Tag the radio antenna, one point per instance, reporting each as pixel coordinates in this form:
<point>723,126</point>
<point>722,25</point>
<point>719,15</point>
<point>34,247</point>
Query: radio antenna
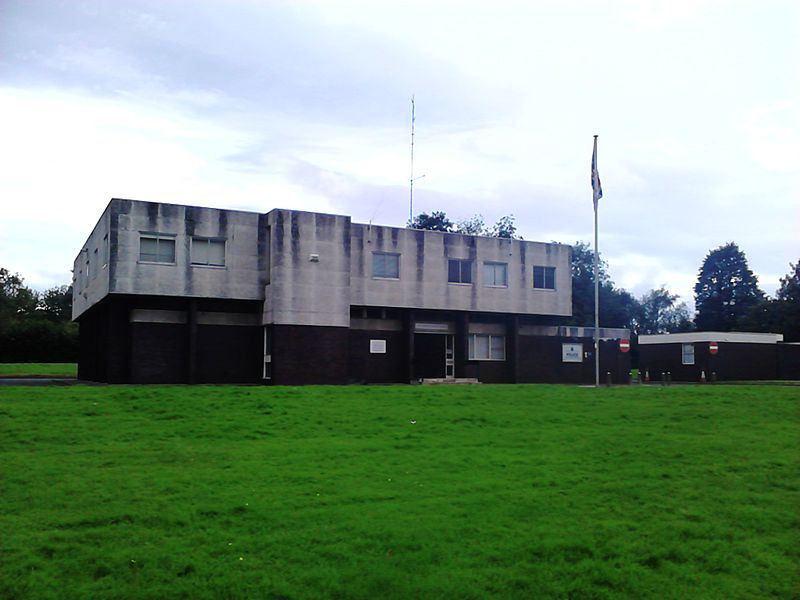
<point>411,178</point>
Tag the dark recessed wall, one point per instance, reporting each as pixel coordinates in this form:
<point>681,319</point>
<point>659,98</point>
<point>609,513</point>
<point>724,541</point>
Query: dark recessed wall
<point>304,354</point>
<point>364,367</point>
<point>733,362</point>
<point>114,350</point>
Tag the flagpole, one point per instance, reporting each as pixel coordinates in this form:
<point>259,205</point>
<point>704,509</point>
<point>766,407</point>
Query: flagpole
<point>596,306</point>
<point>596,274</point>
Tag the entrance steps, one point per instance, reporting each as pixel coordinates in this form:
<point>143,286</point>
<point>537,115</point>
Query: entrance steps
<point>451,380</point>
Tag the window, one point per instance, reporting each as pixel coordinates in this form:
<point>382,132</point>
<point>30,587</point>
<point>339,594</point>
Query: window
<point>486,347</point>
<point>377,346</point>
<point>94,265</point>
<point>687,354</point>
<point>208,251</point>
<point>544,278</point>
<point>495,274</point>
<point>385,265</point>
<point>157,248</point>
<point>459,271</point>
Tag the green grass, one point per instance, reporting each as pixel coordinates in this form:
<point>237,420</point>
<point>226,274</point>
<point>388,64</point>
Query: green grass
<point>38,370</point>
<point>333,492</point>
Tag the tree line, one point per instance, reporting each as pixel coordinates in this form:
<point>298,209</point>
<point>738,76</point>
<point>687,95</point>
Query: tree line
<point>35,326</point>
<point>727,296</point>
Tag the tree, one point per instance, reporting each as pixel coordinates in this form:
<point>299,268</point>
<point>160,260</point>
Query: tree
<point>790,285</point>
<point>475,225</point>
<point>617,307</point>
<point>781,314</point>
<point>726,289</point>
<point>436,221</point>
<point>505,228</point>
<point>33,327</point>
<point>659,313</point>
<point>56,303</point>
<point>15,297</point>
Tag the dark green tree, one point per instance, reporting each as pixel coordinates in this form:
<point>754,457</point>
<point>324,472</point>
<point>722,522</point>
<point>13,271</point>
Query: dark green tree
<point>436,221</point>
<point>15,297</point>
<point>659,313</point>
<point>505,228</point>
<point>475,225</point>
<point>726,290</point>
<point>617,307</point>
<point>781,314</point>
<point>56,303</point>
<point>35,328</point>
<point>789,298</point>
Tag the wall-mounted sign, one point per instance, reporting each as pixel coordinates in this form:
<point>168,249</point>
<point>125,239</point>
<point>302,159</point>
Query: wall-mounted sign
<point>713,347</point>
<point>377,346</point>
<point>572,353</point>
<point>624,345</point>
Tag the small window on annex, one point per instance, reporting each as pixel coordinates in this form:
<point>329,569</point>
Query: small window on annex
<point>495,274</point>
<point>208,252</point>
<point>459,271</point>
<point>486,347</point>
<point>544,278</point>
<point>157,248</point>
<point>687,354</point>
<point>385,265</point>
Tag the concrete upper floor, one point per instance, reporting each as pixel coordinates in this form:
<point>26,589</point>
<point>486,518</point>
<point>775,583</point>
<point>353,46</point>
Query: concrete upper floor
<point>309,268</point>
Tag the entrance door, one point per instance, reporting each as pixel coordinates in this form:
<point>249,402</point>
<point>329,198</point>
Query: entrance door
<point>449,357</point>
<point>430,355</point>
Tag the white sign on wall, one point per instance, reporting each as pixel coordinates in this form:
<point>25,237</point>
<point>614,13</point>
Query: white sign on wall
<point>377,346</point>
<point>572,353</point>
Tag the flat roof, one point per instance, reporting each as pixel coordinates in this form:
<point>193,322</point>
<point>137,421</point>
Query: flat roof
<point>740,337</point>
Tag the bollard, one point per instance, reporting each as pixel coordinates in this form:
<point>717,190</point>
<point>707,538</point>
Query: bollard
<point>702,376</point>
<point>640,377</point>
<point>663,378</point>
<point>608,378</point>
<point>669,377</point>
<point>647,376</point>
<point>713,377</point>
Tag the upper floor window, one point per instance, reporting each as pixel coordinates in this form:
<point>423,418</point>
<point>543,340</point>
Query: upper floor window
<point>495,274</point>
<point>687,354</point>
<point>385,265</point>
<point>208,251</point>
<point>459,271</point>
<point>544,278</point>
<point>157,248</point>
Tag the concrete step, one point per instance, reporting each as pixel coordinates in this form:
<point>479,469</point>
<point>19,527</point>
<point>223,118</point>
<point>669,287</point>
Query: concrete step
<point>444,380</point>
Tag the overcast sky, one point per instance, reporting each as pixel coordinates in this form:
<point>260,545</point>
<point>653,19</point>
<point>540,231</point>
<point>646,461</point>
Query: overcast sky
<point>306,105</point>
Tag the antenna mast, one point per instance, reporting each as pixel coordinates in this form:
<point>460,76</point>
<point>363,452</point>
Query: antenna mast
<point>411,179</point>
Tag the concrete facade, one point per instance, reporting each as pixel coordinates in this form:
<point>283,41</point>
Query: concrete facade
<point>314,298</point>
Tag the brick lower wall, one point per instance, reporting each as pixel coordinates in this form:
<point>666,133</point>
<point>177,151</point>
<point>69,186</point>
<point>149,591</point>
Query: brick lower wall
<point>304,354</point>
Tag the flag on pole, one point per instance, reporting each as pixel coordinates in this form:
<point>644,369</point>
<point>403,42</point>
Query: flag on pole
<point>597,189</point>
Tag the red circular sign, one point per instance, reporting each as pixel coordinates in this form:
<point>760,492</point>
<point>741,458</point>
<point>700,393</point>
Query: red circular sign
<point>624,345</point>
<point>713,347</point>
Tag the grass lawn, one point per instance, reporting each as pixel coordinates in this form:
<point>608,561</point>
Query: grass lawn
<point>38,370</point>
<point>399,492</point>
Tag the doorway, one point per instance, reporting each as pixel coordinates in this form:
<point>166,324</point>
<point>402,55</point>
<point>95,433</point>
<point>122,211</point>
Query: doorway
<point>434,356</point>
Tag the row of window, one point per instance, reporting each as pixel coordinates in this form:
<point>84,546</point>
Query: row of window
<point>161,249</point>
<point>386,265</point>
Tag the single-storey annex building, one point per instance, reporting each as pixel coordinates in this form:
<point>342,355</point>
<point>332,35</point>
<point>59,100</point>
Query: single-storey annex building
<point>172,293</point>
<point>718,355</point>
